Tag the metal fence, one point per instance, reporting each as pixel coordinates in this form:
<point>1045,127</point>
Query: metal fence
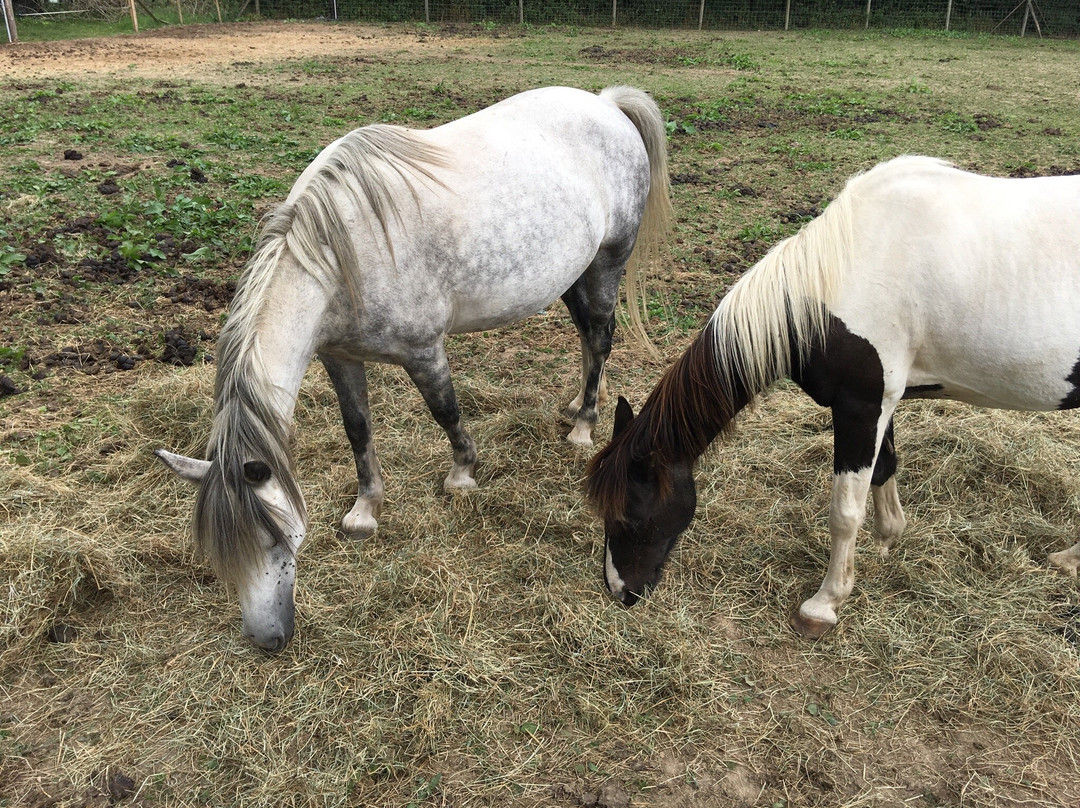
<point>1013,17</point>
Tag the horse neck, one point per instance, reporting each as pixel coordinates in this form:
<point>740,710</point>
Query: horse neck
<point>271,335</point>
<point>695,401</point>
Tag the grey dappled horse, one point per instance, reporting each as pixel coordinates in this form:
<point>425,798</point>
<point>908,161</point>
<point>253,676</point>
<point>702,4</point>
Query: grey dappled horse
<point>390,240</point>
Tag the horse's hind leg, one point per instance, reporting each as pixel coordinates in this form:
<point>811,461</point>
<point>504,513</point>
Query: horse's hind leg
<point>430,372</point>
<point>889,521</point>
<point>350,384</point>
<point>591,303</point>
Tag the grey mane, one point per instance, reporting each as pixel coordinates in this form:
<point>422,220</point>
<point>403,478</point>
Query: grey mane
<point>228,516</point>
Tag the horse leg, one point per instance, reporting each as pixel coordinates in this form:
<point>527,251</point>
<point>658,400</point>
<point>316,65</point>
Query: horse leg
<point>593,312</point>
<point>350,384</point>
<point>430,372</point>
<point>858,429</point>
<point>889,521</point>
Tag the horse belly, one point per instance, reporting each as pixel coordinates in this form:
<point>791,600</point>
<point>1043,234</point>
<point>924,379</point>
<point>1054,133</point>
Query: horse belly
<point>507,297</point>
<point>1006,374</point>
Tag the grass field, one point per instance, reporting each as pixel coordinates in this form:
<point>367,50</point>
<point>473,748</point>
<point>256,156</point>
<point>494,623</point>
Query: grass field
<point>467,654</point>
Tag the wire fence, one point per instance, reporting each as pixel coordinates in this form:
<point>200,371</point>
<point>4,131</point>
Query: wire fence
<point>1058,18</point>
<point>1031,17</point>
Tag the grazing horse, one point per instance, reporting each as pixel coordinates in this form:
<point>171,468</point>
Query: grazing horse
<point>918,281</point>
<point>390,240</point>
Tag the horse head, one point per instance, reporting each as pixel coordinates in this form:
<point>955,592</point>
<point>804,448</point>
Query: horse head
<point>655,504</point>
<point>249,525</point>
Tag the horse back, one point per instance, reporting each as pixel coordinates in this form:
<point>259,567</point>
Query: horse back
<point>968,286</point>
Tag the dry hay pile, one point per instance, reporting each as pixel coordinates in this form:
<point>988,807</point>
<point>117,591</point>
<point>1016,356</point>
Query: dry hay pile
<point>467,655</point>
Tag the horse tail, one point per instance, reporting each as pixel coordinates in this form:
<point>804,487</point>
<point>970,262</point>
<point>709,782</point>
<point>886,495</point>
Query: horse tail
<point>778,310</point>
<point>656,219</point>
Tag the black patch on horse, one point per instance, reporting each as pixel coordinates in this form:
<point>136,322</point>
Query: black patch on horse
<point>847,375</point>
<point>1072,400</point>
<point>924,391</point>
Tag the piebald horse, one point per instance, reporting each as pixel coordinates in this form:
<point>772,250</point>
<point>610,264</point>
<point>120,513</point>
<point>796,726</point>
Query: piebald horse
<point>390,240</point>
<point>918,281</point>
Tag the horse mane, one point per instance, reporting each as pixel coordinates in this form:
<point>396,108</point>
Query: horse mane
<point>312,227</point>
<point>688,408</point>
<point>769,319</point>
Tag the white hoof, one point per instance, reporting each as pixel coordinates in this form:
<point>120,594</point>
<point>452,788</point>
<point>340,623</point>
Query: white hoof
<point>359,523</point>
<point>581,435</point>
<point>1068,561</point>
<point>459,479</point>
<point>813,620</point>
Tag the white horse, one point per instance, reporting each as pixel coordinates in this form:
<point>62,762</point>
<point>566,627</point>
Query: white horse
<point>390,240</point>
<point>918,281</point>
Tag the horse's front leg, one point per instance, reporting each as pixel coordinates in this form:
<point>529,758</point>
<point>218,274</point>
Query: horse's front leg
<point>430,372</point>
<point>350,384</point>
<point>858,429</point>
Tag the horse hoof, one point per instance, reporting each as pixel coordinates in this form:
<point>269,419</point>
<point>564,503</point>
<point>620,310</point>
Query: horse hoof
<point>1065,561</point>
<point>358,529</point>
<point>811,628</point>
<point>458,482</point>
<point>581,436</point>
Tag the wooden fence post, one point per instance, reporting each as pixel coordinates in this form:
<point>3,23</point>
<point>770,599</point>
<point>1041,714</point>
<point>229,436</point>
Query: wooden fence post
<point>9,20</point>
<point>134,16</point>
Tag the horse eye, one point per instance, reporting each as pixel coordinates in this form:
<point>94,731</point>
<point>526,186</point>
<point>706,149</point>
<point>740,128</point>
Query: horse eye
<point>256,471</point>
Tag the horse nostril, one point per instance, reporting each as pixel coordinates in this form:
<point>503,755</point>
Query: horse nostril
<point>273,644</point>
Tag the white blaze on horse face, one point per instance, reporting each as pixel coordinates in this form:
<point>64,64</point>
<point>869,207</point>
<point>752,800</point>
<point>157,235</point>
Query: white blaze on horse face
<point>616,585</point>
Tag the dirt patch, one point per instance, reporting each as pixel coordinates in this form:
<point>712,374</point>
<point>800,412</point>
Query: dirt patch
<point>207,51</point>
<point>648,56</point>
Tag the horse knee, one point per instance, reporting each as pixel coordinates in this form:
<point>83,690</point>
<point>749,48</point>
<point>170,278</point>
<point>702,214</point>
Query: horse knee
<point>845,518</point>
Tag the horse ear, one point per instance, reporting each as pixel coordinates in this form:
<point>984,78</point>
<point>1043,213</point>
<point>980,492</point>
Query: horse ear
<point>624,414</point>
<point>186,468</point>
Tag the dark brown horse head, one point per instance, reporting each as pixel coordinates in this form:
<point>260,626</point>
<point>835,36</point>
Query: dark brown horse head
<point>650,502</point>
